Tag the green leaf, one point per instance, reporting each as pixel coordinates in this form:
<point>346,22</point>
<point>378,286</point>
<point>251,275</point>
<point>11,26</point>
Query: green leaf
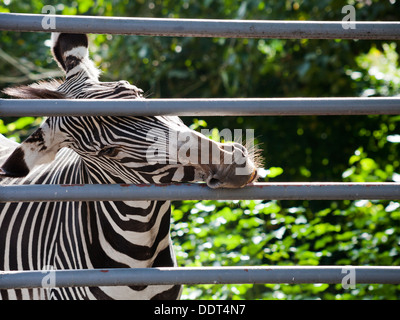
<point>274,172</point>
<point>368,164</point>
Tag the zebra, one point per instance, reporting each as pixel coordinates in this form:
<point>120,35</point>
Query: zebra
<point>96,150</point>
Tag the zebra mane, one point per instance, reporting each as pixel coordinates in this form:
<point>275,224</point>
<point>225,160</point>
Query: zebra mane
<point>39,90</point>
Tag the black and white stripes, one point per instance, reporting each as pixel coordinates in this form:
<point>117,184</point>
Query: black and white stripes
<point>97,150</point>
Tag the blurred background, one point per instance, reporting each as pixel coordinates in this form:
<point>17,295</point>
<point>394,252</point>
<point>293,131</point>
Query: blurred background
<point>307,148</point>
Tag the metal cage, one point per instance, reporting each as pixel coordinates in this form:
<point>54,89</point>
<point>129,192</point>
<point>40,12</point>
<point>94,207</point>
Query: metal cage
<point>203,107</point>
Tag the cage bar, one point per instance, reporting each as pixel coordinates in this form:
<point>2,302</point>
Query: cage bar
<point>200,191</point>
<point>279,29</point>
<point>200,107</point>
<point>201,275</point>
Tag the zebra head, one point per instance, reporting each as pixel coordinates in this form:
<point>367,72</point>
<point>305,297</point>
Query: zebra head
<point>121,149</point>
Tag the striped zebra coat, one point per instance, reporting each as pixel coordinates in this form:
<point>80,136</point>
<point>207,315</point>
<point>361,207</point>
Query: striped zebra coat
<point>93,150</point>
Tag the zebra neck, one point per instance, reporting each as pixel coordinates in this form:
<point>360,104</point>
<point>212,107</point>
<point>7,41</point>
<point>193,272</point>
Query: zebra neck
<point>125,233</point>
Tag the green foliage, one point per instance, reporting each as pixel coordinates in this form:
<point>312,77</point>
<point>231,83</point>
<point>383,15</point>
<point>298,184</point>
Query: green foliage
<point>382,70</point>
<point>19,129</point>
<point>353,149</point>
<point>220,233</point>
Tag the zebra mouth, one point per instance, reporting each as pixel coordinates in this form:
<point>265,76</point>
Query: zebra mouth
<point>221,180</point>
<point>254,177</point>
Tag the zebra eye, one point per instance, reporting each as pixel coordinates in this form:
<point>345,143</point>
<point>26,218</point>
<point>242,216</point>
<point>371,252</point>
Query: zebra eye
<point>108,152</point>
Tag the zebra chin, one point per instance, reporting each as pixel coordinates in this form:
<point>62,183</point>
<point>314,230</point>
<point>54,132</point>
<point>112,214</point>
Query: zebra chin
<point>232,167</point>
<point>217,180</point>
<point>232,176</point>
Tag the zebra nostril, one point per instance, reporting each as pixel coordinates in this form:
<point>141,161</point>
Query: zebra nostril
<point>241,148</point>
<point>213,182</point>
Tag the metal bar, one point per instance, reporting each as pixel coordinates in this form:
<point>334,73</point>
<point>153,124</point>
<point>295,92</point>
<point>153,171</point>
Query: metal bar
<point>201,27</point>
<point>201,107</point>
<point>200,275</point>
<point>187,191</point>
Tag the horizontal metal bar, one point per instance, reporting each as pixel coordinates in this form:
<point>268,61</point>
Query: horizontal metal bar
<point>201,27</point>
<point>198,191</point>
<point>200,275</point>
<point>201,107</point>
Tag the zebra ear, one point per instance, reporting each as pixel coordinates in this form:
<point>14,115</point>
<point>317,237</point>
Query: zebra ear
<point>15,166</point>
<point>70,50</point>
<point>39,148</point>
<point>68,45</point>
